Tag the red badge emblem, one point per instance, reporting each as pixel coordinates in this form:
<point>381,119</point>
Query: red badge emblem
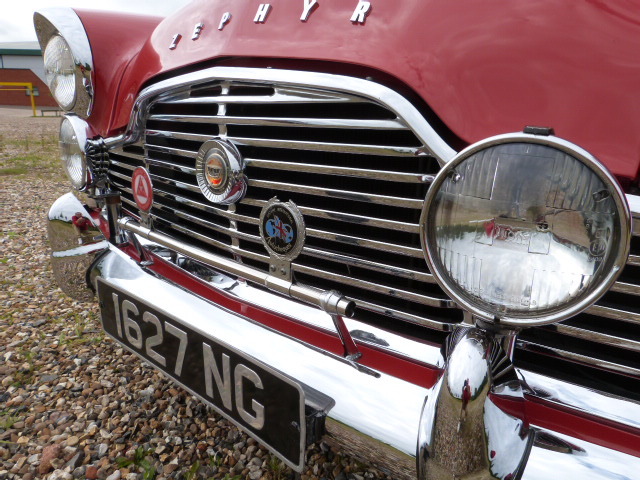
<point>142,189</point>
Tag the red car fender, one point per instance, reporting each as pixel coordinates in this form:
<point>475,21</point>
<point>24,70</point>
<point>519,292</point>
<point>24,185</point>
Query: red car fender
<point>115,39</point>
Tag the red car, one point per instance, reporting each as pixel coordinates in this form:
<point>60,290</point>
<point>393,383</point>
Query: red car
<point>408,228</point>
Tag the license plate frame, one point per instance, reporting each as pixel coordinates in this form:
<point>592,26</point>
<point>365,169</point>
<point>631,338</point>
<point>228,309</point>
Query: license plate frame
<point>262,401</point>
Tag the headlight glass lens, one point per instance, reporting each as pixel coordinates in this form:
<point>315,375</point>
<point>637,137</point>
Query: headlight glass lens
<point>525,233</point>
<point>60,70</point>
<point>72,155</point>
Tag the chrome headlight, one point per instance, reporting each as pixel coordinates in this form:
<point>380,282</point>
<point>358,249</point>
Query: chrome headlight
<point>525,230</point>
<point>73,138</point>
<point>68,62</point>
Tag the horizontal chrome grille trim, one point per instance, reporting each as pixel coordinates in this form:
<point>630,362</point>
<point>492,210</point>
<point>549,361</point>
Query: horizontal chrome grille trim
<point>363,242</point>
<point>171,182</point>
<point>207,208</point>
<point>633,260</point>
<point>597,337</point>
<point>626,288</point>
<point>614,313</point>
<point>286,122</point>
<point>331,147</point>
<point>378,267</point>
<point>173,151</point>
<point>374,287</point>
<point>341,194</point>
<point>171,166</point>
<point>333,170</point>
<point>576,357</point>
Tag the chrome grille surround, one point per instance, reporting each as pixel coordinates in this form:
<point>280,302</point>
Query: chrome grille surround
<point>371,172</point>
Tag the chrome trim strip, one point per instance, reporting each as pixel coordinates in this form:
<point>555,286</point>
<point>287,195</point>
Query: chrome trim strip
<point>408,317</point>
<point>576,357</point>
<point>333,170</point>
<point>285,122</point>
<point>281,96</point>
<point>629,288</point>
<point>331,147</point>
<point>597,337</point>
<point>206,208</point>
<point>172,151</point>
<point>584,461</point>
<point>343,194</point>
<point>298,145</point>
<point>374,287</point>
<point>369,265</point>
<point>126,166</point>
<point>582,399</point>
<point>348,85</point>
<point>364,242</point>
<point>63,20</point>
<point>122,153</point>
<point>614,313</point>
<point>169,181</point>
<point>633,260</point>
<point>171,166</point>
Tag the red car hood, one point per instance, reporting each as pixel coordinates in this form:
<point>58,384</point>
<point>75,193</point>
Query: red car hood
<point>484,68</point>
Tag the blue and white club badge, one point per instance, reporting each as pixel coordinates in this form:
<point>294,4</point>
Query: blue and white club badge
<point>282,229</point>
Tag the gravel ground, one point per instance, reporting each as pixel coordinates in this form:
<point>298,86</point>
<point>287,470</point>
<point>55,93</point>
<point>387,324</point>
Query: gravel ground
<point>73,404</point>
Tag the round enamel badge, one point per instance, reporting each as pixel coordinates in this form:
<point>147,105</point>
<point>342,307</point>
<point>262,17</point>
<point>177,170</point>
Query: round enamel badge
<point>220,172</point>
<point>142,189</point>
<point>282,229</point>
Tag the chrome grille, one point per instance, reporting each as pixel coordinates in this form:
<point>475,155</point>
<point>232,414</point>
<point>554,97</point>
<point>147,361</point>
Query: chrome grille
<point>359,172</point>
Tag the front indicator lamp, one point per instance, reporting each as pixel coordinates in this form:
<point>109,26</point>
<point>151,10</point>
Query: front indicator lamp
<point>525,230</point>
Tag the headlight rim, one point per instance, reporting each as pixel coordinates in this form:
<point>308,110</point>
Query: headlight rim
<point>571,308</point>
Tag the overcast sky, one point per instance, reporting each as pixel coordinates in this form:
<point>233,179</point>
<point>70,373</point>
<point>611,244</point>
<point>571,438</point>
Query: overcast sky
<point>16,16</point>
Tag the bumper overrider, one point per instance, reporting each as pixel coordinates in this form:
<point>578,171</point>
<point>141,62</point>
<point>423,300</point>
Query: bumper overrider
<point>230,357</point>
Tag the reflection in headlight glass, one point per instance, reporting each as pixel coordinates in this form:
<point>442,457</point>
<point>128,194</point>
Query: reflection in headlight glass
<point>524,229</point>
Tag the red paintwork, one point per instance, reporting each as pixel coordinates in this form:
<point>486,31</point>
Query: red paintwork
<point>574,423</point>
<point>395,365</point>
<point>115,40</point>
<point>485,68</point>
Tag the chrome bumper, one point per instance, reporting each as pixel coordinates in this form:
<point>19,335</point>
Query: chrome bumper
<point>384,420</point>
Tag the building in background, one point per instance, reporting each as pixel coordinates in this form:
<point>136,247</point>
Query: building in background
<point>22,62</point>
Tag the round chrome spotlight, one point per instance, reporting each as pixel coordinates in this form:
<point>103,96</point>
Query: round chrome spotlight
<point>525,230</point>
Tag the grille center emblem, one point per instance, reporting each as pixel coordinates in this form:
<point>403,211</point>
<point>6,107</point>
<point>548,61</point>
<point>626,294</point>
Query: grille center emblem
<point>282,229</point>
<point>220,172</point>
